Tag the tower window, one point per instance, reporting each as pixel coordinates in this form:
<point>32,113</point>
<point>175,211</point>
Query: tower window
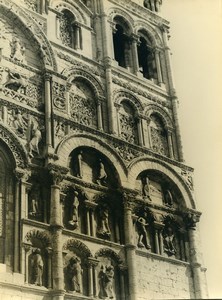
<point>122,47</point>
<point>146,58</point>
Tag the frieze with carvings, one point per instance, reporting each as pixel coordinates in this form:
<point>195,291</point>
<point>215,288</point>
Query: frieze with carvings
<point>78,64</point>
<point>135,90</point>
<point>127,129</point>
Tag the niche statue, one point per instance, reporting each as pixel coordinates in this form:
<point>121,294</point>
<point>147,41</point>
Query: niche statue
<point>103,220</point>
<point>74,273</point>
<point>141,224</point>
<point>168,198</point>
<point>106,282</point>
<point>37,267</point>
<point>74,211</point>
<point>168,240</point>
<point>102,176</point>
<point>146,188</point>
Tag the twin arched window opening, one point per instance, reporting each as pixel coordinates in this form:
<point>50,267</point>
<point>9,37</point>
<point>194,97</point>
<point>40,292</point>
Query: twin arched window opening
<point>136,53</point>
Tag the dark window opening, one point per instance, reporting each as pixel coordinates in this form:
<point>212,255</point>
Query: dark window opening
<point>119,42</point>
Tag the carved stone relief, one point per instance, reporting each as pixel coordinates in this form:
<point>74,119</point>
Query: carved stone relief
<point>106,281</point>
<point>82,104</point>
<point>36,268</point>
<point>158,136</point>
<point>128,126</point>
<point>103,229</point>
<point>73,274</point>
<point>17,50</point>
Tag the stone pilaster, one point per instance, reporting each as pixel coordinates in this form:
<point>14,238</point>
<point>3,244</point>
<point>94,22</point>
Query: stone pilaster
<point>130,250</point>
<point>48,111</point>
<point>199,277</point>
<point>56,225</point>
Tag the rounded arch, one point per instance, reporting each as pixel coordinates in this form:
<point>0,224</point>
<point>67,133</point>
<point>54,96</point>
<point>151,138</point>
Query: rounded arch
<point>127,20</point>
<point>141,164</point>
<point>76,140</point>
<point>120,95</point>
<point>17,150</point>
<point>73,244</point>
<point>72,7</point>
<point>35,234</point>
<point>107,252</point>
<point>158,110</point>
<point>32,30</point>
<point>150,31</point>
<point>73,73</point>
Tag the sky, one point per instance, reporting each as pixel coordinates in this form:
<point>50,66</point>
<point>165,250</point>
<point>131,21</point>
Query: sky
<point>196,46</point>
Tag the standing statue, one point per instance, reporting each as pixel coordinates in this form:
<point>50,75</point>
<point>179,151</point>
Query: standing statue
<point>74,211</point>
<point>168,240</point>
<point>106,283</point>
<point>74,272</point>
<point>168,198</point>
<point>146,188</point>
<point>34,136</point>
<point>79,165</point>
<point>103,219</point>
<point>19,122</point>
<point>34,207</point>
<point>101,179</point>
<point>37,267</point>
<point>141,229</point>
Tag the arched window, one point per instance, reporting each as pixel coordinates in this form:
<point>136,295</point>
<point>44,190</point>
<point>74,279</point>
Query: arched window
<point>158,135</point>
<point>121,43</point>
<point>146,57</point>
<point>128,130</point>
<point>70,31</point>
<point>82,103</point>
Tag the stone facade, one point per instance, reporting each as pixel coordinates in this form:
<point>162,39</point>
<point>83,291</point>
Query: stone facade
<point>96,201</point>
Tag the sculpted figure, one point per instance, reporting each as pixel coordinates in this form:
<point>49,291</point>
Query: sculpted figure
<point>17,50</point>
<point>74,272</point>
<point>15,81</point>
<point>168,239</point>
<point>146,188</point>
<point>103,219</point>
<point>106,283</point>
<point>18,122</point>
<point>34,209</point>
<point>37,267</point>
<point>74,211</point>
<point>34,136</point>
<point>101,180</point>
<point>141,224</point>
<point>168,198</point>
<point>79,165</point>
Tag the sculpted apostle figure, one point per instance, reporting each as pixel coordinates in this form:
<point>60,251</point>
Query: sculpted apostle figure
<point>101,179</point>
<point>106,282</point>
<point>141,224</point>
<point>74,272</point>
<point>37,267</point>
<point>74,210</point>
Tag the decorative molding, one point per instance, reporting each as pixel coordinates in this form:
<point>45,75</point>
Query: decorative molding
<point>107,252</point>
<point>73,244</point>
<point>40,235</point>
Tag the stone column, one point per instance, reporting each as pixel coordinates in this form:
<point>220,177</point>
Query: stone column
<point>122,270</point>
<point>56,226</point>
<point>149,132</point>
<point>99,116</point>
<point>49,280</point>
<point>130,249</point>
<point>90,221</point>
<point>92,277</point>
<point>48,111</point>
<point>170,142</point>
<point>158,227</point>
<point>168,59</point>
<point>177,129</point>
<point>135,41</point>
<point>158,67</point>
<point>140,132</point>
<point>25,266</point>
<point>199,277</point>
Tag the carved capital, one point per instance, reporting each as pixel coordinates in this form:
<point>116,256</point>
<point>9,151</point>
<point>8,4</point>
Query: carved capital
<point>92,262</point>
<point>57,173</point>
<point>47,76</point>
<point>191,219</point>
<point>107,62</point>
<point>22,175</point>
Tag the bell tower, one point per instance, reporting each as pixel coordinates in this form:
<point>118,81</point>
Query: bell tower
<point>96,200</point>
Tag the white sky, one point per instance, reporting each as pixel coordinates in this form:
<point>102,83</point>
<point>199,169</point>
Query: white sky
<point>196,44</point>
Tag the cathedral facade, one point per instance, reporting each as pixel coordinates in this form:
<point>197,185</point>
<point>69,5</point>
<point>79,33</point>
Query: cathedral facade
<point>96,201</point>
